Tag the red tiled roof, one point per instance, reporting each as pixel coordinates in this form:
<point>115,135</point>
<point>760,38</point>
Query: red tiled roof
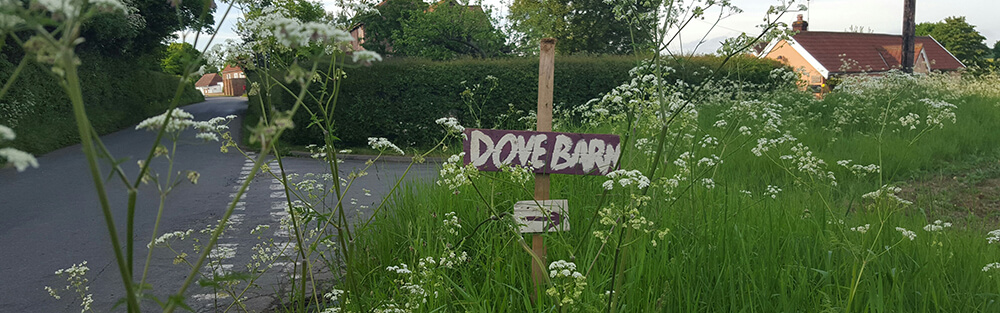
<point>231,69</point>
<point>208,80</point>
<point>872,52</point>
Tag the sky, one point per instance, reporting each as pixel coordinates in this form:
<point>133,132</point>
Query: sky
<point>881,16</point>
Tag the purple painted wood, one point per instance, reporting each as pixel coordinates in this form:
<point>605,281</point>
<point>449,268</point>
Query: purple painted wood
<point>544,152</point>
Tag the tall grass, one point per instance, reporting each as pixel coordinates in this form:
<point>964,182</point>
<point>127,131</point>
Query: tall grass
<point>734,247</point>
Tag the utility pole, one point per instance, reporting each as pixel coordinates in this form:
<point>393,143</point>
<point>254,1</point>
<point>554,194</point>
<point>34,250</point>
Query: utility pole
<point>909,31</point>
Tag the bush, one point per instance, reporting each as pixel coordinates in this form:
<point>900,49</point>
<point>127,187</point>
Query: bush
<point>116,93</point>
<point>400,99</point>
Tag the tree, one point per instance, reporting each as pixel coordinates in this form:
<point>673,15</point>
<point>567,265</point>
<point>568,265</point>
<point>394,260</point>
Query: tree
<point>447,30</point>
<point>959,37</point>
<point>583,26</point>
<point>386,21</point>
<point>178,56</point>
<point>996,51</point>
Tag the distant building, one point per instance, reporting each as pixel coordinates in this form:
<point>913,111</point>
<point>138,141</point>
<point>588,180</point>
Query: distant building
<point>820,56</point>
<point>234,81</point>
<point>210,83</point>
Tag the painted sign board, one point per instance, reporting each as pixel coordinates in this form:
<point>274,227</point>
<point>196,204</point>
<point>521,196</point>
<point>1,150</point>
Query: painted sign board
<point>551,216</point>
<point>544,152</point>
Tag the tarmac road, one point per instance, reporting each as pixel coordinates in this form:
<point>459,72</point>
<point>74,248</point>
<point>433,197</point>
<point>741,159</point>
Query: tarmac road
<point>50,218</point>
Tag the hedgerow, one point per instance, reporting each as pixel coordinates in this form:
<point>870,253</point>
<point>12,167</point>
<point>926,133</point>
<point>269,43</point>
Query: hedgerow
<point>117,92</point>
<point>398,98</point>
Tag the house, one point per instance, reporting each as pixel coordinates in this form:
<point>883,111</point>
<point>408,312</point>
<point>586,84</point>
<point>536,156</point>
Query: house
<point>234,81</point>
<point>820,56</point>
<point>210,83</point>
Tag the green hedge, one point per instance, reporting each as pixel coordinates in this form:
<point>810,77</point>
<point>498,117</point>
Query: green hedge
<point>400,99</point>
<point>116,94</point>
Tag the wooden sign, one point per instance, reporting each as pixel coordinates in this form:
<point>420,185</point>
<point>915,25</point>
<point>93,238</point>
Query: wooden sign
<point>551,216</point>
<point>545,152</point>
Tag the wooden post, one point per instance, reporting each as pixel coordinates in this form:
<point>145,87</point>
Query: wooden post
<point>546,79</point>
<point>909,31</point>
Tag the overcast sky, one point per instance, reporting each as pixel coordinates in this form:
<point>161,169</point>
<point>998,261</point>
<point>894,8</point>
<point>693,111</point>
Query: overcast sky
<point>881,16</point>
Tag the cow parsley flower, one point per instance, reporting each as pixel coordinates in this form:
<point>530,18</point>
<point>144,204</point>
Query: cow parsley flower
<point>382,144</point>
<point>991,266</point>
<point>887,192</point>
<point>993,236</point>
<point>6,134</point>
<point>567,283</point>
<point>626,178</point>
<point>907,233</point>
<point>862,229</point>
<point>772,191</point>
<point>451,125</point>
<point>938,225</point>
<point>19,159</point>
<point>365,56</point>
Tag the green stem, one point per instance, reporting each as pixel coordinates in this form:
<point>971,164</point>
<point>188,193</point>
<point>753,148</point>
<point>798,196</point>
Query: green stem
<point>13,76</point>
<point>74,91</point>
<point>232,205</point>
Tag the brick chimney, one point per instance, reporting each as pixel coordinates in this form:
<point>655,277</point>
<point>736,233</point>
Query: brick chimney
<point>800,25</point>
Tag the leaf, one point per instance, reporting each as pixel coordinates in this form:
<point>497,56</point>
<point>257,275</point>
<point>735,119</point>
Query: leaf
<point>178,300</point>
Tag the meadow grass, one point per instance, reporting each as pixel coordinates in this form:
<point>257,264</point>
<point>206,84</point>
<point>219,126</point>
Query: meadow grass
<point>734,243</point>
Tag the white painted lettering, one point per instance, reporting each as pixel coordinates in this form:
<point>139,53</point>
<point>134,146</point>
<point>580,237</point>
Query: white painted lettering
<point>478,156</point>
<point>582,154</point>
<point>610,159</point>
<point>537,151</point>
<point>561,151</point>
<point>508,139</point>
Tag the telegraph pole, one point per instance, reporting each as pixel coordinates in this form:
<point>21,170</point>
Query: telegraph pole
<point>909,31</point>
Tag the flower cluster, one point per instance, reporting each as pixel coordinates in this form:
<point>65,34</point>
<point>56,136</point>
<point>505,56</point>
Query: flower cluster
<point>626,178</point>
<point>165,238</point>
<point>451,223</point>
<point>277,24</point>
<point>19,159</point>
<point>567,283</point>
<point>454,174</point>
<point>907,233</point>
<point>77,282</point>
<point>382,144</point>
<point>858,169</point>
<point>993,236</point>
<point>772,191</point>
<point>862,229</point>
<point>519,174</point>
<point>938,225</point>
<point>887,192</point>
<point>452,126</point>
<point>181,120</point>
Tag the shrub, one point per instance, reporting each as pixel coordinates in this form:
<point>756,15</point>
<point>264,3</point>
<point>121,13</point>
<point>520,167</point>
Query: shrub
<point>398,99</point>
<point>116,93</point>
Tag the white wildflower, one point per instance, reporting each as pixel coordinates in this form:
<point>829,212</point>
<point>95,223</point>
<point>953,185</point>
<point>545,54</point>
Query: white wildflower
<point>907,233</point>
<point>862,229</point>
<point>6,133</point>
<point>938,225</point>
<point>382,144</point>
<point>991,266</point>
<point>365,56</point>
<point>19,159</point>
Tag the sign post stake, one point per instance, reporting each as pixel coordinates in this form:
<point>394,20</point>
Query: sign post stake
<point>546,79</point>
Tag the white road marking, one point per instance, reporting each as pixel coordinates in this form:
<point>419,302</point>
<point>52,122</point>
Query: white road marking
<point>278,194</point>
<point>224,251</point>
<point>210,296</point>
<point>244,172</point>
<point>279,205</point>
<point>277,187</point>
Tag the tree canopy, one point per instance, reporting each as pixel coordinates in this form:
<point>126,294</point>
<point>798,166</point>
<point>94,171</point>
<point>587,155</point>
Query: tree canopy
<point>179,55</point>
<point>959,37</point>
<point>583,26</point>
<point>440,31</point>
